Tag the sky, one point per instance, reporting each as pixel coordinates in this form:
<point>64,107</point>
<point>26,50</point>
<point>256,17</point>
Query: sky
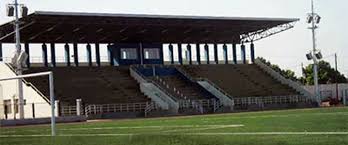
<point>286,49</point>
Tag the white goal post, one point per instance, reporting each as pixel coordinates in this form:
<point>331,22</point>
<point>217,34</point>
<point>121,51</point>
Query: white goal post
<point>51,90</point>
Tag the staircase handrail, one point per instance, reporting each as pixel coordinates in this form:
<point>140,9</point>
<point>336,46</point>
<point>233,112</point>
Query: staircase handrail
<point>215,86</point>
<point>203,79</point>
<point>137,74</point>
<point>31,85</point>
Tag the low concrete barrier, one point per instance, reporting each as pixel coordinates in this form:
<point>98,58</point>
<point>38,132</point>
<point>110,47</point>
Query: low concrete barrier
<point>19,122</point>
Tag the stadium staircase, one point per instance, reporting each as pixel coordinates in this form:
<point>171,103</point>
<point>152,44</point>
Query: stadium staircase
<point>104,90</point>
<point>190,96</point>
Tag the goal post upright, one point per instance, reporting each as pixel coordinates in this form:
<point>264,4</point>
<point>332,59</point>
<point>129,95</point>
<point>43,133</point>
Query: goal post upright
<point>51,87</point>
<point>53,117</point>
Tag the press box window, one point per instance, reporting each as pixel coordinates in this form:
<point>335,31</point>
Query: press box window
<point>129,53</point>
<point>151,53</point>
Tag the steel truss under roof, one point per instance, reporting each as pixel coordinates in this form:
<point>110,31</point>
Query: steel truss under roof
<point>66,27</point>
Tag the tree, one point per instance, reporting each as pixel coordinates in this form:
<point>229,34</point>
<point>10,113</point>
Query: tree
<point>326,74</point>
<point>289,74</point>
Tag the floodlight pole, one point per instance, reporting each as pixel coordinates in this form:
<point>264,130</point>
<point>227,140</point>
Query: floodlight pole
<point>315,61</point>
<point>19,65</point>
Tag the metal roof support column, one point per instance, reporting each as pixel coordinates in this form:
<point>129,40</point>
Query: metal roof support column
<point>161,54</point>
<point>44,54</point>
<point>206,50</point>
<point>111,55</point>
<point>141,53</point>
<point>216,58</point>
<point>234,47</point>
<point>1,59</point>
<point>76,54</point>
<point>171,54</point>
<point>26,49</point>
<point>242,47</point>
<point>189,53</point>
<point>53,55</point>
<point>97,54</point>
<point>180,53</point>
<point>67,54</point>
<point>198,51</point>
<point>224,47</point>
<point>89,54</point>
<point>252,52</point>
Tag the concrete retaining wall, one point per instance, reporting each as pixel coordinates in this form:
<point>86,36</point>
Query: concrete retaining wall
<point>42,121</point>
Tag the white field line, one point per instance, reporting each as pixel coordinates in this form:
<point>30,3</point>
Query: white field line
<point>187,127</point>
<point>193,134</point>
<point>204,128</point>
<point>152,127</point>
<point>272,133</point>
<point>290,115</point>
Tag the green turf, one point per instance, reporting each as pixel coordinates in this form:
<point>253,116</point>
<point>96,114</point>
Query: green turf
<point>190,130</point>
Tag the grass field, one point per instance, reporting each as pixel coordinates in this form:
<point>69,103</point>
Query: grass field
<point>327,126</point>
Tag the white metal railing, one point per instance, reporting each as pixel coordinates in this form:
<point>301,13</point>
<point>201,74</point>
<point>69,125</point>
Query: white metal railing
<point>68,110</point>
<point>150,107</point>
<point>163,84</point>
<point>217,105</point>
<point>270,100</point>
<point>282,79</point>
<point>94,109</point>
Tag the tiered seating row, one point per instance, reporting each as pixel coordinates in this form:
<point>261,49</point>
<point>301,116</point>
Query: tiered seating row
<point>240,80</point>
<point>94,85</point>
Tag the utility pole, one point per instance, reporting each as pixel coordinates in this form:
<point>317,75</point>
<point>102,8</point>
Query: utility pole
<point>336,77</point>
<point>303,74</point>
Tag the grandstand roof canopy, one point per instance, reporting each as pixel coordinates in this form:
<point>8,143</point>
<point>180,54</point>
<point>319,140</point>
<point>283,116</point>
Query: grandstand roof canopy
<point>62,27</point>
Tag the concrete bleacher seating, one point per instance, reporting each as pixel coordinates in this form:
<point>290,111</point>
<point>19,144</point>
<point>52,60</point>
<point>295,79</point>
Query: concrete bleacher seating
<point>176,84</point>
<point>187,89</point>
<point>242,80</point>
<point>94,85</point>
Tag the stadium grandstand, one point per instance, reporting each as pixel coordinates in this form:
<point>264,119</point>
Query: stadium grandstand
<point>137,80</point>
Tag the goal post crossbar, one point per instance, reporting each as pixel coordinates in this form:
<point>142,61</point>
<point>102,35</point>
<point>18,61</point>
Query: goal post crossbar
<point>51,90</point>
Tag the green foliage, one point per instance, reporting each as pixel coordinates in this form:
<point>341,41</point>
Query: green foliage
<point>326,74</point>
<point>289,74</point>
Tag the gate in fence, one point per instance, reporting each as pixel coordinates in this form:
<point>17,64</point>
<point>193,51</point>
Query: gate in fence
<point>345,97</point>
<point>200,106</point>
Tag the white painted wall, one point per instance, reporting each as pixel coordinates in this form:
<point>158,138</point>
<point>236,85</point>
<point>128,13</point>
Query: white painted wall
<point>327,89</point>
<point>9,90</point>
<point>2,115</point>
